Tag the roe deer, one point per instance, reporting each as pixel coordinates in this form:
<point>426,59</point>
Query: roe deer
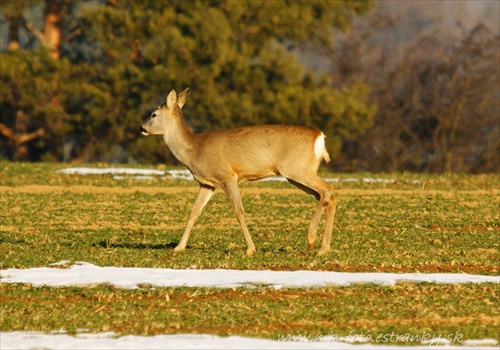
<point>227,157</point>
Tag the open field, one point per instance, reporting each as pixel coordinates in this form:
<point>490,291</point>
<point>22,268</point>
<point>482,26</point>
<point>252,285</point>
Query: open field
<point>418,223</point>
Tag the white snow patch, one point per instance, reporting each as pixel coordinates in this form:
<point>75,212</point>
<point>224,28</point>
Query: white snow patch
<point>112,171</point>
<point>109,340</point>
<point>59,263</point>
<point>124,173</point>
<point>480,342</point>
<point>84,274</point>
<point>181,175</point>
<point>135,177</point>
<point>149,174</point>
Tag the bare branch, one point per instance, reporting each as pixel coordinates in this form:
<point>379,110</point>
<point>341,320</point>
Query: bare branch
<point>72,35</point>
<point>34,30</point>
<point>24,138</point>
<point>6,131</point>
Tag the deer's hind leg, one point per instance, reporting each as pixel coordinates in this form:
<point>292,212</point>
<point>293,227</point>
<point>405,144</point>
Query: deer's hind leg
<point>322,191</point>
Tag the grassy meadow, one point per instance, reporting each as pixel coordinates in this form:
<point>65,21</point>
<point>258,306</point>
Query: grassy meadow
<point>419,223</point>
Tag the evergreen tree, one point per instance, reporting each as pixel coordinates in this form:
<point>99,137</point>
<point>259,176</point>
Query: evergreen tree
<point>235,55</point>
<point>32,81</point>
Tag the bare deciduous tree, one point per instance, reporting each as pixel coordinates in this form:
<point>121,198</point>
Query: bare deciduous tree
<point>437,97</point>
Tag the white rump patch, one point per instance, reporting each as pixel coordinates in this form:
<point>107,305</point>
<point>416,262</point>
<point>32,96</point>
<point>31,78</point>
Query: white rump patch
<point>319,146</point>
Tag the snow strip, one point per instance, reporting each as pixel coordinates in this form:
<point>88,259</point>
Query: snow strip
<point>112,171</point>
<point>83,274</point>
<point>149,174</point>
<point>33,340</point>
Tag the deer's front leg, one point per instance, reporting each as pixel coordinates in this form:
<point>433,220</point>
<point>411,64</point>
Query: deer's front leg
<point>233,194</point>
<point>204,196</point>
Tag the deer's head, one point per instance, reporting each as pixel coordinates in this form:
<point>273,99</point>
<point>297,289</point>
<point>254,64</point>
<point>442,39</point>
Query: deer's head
<point>162,116</point>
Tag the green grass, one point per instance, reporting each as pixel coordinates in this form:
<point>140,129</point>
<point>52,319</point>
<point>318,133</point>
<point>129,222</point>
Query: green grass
<point>365,309</point>
<point>446,223</point>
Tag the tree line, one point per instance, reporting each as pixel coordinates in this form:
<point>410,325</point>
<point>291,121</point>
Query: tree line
<point>78,77</point>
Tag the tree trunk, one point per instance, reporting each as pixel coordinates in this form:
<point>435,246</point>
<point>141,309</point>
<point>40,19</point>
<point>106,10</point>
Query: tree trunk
<point>13,32</point>
<point>13,39</point>
<point>53,15</point>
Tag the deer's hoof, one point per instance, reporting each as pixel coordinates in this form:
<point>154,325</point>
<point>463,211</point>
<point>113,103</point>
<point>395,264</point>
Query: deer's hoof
<point>179,249</point>
<point>250,251</point>
<point>323,251</point>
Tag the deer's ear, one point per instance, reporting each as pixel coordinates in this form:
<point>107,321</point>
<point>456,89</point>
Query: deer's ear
<point>183,97</point>
<point>171,99</point>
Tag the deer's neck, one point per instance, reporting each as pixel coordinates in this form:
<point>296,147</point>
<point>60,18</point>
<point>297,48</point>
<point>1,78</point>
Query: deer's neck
<point>180,140</point>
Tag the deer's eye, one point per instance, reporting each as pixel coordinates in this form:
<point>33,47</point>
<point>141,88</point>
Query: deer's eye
<point>154,115</point>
